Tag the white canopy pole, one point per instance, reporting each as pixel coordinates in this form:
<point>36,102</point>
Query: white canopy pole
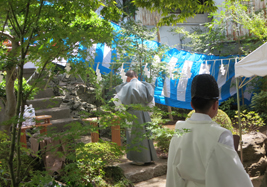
<point>239,121</point>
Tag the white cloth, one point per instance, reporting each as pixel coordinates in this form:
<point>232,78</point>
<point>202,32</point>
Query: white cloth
<point>225,138</point>
<point>204,157</point>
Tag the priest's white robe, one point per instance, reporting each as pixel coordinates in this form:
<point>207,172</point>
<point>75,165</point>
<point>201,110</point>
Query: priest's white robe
<point>204,157</point>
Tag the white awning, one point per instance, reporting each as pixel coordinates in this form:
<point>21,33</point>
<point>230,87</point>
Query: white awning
<point>253,64</point>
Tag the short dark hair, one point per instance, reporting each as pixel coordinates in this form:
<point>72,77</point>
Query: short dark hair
<point>202,105</point>
<point>204,92</point>
<point>131,74</point>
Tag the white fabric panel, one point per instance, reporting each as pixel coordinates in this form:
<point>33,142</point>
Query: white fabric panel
<point>182,85</point>
<point>60,61</point>
<point>91,51</point>
<point>233,86</point>
<point>166,91</point>
<point>106,56</point>
<point>202,69</point>
<point>253,64</point>
<point>75,49</point>
<point>222,79</point>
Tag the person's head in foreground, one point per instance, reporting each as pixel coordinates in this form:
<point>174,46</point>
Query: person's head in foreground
<point>130,75</point>
<point>205,95</point>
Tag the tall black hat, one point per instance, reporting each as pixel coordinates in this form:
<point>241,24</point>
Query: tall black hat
<point>204,86</point>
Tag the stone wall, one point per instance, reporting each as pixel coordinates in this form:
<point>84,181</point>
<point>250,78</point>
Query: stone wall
<point>77,95</point>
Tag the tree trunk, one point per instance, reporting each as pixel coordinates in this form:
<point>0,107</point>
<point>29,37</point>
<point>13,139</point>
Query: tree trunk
<point>10,107</point>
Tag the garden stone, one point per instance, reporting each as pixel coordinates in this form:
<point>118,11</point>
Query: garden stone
<point>142,173</point>
<point>66,98</point>
<point>91,106</point>
<point>81,108</point>
<point>91,89</point>
<point>75,114</point>
<point>73,92</point>
<point>264,180</point>
<point>64,79</point>
<point>77,96</point>
<point>86,94</point>
<point>257,169</point>
<point>254,153</point>
<point>254,146</point>
<point>76,105</point>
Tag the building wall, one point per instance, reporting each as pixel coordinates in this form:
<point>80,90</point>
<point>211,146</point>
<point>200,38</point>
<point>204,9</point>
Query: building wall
<point>166,36</point>
<point>175,40</point>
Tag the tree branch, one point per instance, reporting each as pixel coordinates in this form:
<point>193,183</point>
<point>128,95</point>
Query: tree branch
<point>15,18</point>
<point>10,37</point>
<point>5,23</point>
<point>37,19</point>
<point>13,26</point>
<point>39,13</point>
<point>26,16</point>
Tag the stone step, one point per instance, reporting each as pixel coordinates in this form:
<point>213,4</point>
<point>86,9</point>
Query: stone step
<point>56,113</point>
<point>44,103</point>
<point>138,174</point>
<point>48,92</point>
<point>58,125</point>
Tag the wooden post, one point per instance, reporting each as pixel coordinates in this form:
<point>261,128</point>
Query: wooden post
<point>115,132</point>
<point>170,113</point>
<point>94,135</point>
<point>43,126</point>
<point>23,139</point>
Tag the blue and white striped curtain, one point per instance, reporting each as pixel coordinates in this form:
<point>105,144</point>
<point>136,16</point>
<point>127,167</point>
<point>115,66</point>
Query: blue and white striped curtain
<point>177,93</point>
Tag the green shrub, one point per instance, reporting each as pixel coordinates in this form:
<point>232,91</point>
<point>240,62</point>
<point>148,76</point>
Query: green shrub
<point>161,135</point>
<point>115,177</point>
<point>221,118</point>
<point>259,104</point>
<point>227,106</point>
<point>163,138</point>
<point>91,159</point>
<point>250,120</point>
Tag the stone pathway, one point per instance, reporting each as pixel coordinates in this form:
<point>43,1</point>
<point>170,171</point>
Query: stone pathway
<point>137,174</point>
<point>161,182</point>
<point>154,182</point>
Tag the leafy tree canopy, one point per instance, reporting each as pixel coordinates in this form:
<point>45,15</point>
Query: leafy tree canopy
<point>40,31</point>
<point>188,8</point>
<point>53,27</point>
